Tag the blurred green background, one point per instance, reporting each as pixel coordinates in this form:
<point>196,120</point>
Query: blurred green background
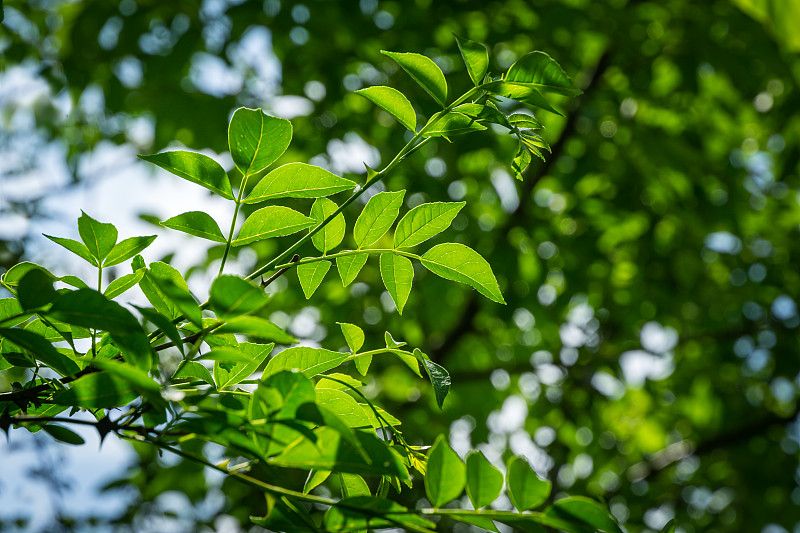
<point>648,355</point>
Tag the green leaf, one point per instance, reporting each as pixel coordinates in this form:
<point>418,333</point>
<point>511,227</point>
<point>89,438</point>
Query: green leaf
<point>255,326</point>
<point>62,434</point>
<point>525,489</point>
<point>350,265</point>
<point>398,274</point>
<point>377,217</point>
<point>90,309</point>
<point>41,350</point>
<point>256,140</point>
<point>151,287</point>
<point>123,283</point>
<point>344,406</point>
<point>353,485</point>
<point>526,94</point>
<point>298,180</point>
<point>326,381</point>
<point>378,513</point>
<point>272,221</point>
<point>353,335</point>
<point>331,235</point>
<point>225,355</point>
<point>390,342</point>
<point>457,262</point>
<point>196,223</point>
<point>523,121</point>
<point>309,361</point>
<point>311,276</point>
<point>36,290</point>
<point>439,377</point>
<point>484,481</point>
<point>99,389</point>
<point>586,511</point>
<point>175,290</point>
<point>232,375</point>
<point>192,370</point>
<point>232,296</point>
<point>9,307</point>
<point>16,272</point>
<point>136,377</point>
<point>164,324</point>
<point>425,221</point>
<point>194,167</point>
<point>541,71</point>
<point>476,58</point>
<point>521,162</point>
<point>98,237</point>
<point>453,123</point>
<point>315,479</point>
<point>446,474</point>
<point>477,521</point>
<point>74,281</point>
<point>127,248</point>
<point>425,72</point>
<point>77,248</point>
<point>394,102</point>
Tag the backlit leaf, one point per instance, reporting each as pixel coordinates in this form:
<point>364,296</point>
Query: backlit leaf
<point>520,162</point>
<point>460,263</point>
<point>127,248</point>
<point>9,307</point>
<point>525,489</point>
<point>196,223</point>
<point>397,273</point>
<point>424,71</point>
<point>229,376</point>
<point>542,72</point>
<point>350,265</point>
<point>353,335</point>
<point>77,248</point>
<point>98,237</point>
<point>394,102</point>
<point>446,474</point>
<point>484,481</point>
<point>331,235</point>
<point>476,57</point>
<point>311,276</point>
<point>309,361</point>
<point>344,406</point>
<point>41,350</point>
<point>452,123</point>
<point>377,217</point>
<point>232,296</point>
<point>123,283</point>
<point>194,371</point>
<point>256,140</point>
<point>527,94</point>
<point>298,180</point>
<point>424,222</point>
<point>194,167</point>
<point>583,510</point>
<point>272,221</point>
<point>255,326</point>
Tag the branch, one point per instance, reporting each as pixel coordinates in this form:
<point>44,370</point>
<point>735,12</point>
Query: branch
<point>279,273</point>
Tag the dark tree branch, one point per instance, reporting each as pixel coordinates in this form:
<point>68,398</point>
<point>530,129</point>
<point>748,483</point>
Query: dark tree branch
<point>279,273</point>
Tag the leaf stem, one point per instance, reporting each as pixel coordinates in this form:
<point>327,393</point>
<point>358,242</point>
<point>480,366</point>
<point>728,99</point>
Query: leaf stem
<point>233,223</point>
<point>307,260</point>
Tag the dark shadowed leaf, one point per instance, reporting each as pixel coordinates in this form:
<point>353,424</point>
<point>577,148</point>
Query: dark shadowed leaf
<point>36,290</point>
<point>233,296</point>
<point>41,350</point>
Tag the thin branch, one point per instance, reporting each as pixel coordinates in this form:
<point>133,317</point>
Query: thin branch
<point>279,273</point>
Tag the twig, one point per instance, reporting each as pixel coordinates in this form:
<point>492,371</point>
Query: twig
<point>279,273</point>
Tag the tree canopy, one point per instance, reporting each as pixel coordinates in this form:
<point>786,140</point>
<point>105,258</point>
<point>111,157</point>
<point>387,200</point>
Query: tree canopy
<point>646,356</point>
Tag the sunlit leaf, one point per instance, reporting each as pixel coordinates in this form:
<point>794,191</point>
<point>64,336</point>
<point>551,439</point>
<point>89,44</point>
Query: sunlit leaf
<point>425,221</point>
<point>525,489</point>
<point>256,140</point>
<point>424,71</point>
<point>452,123</point>
<point>344,406</point>
<point>9,307</point>
<point>298,180</point>
<point>353,335</point>
<point>446,474</point>
<point>309,361</point>
<point>484,481</point>
<point>311,276</point>
<point>255,326</point>
<point>394,102</point>
<point>527,94</point>
<point>77,248</point>
<point>194,167</point>
<point>232,296</point>
<point>127,248</point>
<point>521,162</point>
<point>272,221</point>
<point>41,350</point>
<point>350,265</point>
<point>476,58</point>
<point>331,235</point>
<point>196,223</point>
<point>460,263</point>
<point>228,376</point>
<point>377,217</point>
<point>541,71</point>
<point>123,283</point>
<point>586,511</point>
<point>99,237</point>
<point>194,371</point>
<point>397,273</point>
